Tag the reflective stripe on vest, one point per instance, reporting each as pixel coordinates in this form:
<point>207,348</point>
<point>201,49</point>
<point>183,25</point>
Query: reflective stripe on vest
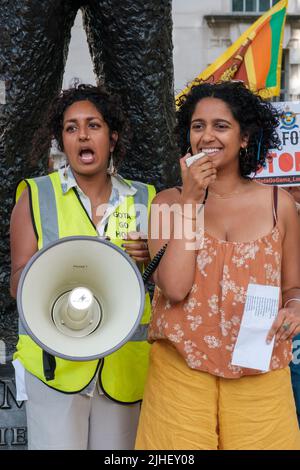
<point>141,200</point>
<point>48,211</point>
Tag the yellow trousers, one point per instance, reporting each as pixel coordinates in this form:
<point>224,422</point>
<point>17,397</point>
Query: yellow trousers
<point>189,409</point>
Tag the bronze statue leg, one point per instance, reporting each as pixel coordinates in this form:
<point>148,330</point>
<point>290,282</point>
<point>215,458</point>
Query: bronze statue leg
<point>34,40</point>
<point>131,47</point>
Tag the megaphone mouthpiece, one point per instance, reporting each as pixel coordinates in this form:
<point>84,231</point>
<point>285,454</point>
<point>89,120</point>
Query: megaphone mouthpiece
<point>77,313</point>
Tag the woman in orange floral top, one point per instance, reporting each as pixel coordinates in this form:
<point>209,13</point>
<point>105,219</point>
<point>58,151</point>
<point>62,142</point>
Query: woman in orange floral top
<point>195,397</point>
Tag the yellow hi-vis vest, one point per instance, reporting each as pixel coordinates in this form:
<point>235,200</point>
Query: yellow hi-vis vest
<point>56,215</point>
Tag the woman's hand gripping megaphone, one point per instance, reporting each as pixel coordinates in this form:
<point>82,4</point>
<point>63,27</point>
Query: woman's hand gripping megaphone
<point>136,247</point>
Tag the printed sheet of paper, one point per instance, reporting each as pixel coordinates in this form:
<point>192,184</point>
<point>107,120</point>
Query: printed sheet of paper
<point>261,308</point>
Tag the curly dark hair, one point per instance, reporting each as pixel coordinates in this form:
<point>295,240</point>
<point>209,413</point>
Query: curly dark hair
<point>107,104</point>
<point>256,117</point>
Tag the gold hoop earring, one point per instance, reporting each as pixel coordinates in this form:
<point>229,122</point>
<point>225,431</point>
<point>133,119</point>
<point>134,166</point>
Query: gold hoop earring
<point>244,152</point>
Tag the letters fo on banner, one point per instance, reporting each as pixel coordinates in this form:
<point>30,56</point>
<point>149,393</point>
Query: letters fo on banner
<point>283,167</point>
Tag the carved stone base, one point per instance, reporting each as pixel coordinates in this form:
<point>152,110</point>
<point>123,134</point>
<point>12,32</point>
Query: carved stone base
<point>13,431</point>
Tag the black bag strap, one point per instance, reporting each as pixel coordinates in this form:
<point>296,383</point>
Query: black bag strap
<point>49,365</point>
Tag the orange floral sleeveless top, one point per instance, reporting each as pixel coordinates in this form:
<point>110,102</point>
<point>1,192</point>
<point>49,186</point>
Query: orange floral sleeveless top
<point>205,325</point>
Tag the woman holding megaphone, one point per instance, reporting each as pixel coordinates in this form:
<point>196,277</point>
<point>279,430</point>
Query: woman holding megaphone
<point>92,404</point>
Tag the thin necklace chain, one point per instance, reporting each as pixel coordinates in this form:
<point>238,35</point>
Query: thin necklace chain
<point>225,196</point>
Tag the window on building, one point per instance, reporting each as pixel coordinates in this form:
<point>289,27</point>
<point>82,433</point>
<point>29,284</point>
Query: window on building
<point>250,5</point>
<point>237,5</point>
<point>264,5</point>
<point>256,6</point>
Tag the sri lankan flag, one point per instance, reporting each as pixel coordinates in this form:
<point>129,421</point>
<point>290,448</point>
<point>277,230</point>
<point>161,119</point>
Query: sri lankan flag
<point>255,58</point>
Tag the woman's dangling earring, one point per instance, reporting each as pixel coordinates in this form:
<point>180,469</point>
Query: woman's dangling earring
<point>66,170</point>
<point>111,169</point>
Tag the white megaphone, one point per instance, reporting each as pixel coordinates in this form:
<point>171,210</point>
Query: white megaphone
<point>80,298</point>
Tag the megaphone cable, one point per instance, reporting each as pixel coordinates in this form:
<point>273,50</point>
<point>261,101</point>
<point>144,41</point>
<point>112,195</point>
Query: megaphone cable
<point>153,264</point>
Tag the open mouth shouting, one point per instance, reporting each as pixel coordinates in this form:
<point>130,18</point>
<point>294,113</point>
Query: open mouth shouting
<point>87,155</point>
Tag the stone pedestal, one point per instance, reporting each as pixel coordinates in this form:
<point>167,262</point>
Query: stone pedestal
<point>13,431</point>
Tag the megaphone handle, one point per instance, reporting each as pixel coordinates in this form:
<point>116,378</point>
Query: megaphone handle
<point>154,263</point>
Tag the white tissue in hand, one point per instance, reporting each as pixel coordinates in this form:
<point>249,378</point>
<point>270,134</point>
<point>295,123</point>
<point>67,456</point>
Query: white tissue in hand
<point>194,158</point>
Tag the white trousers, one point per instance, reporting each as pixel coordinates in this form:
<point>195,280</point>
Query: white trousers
<point>62,421</point>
